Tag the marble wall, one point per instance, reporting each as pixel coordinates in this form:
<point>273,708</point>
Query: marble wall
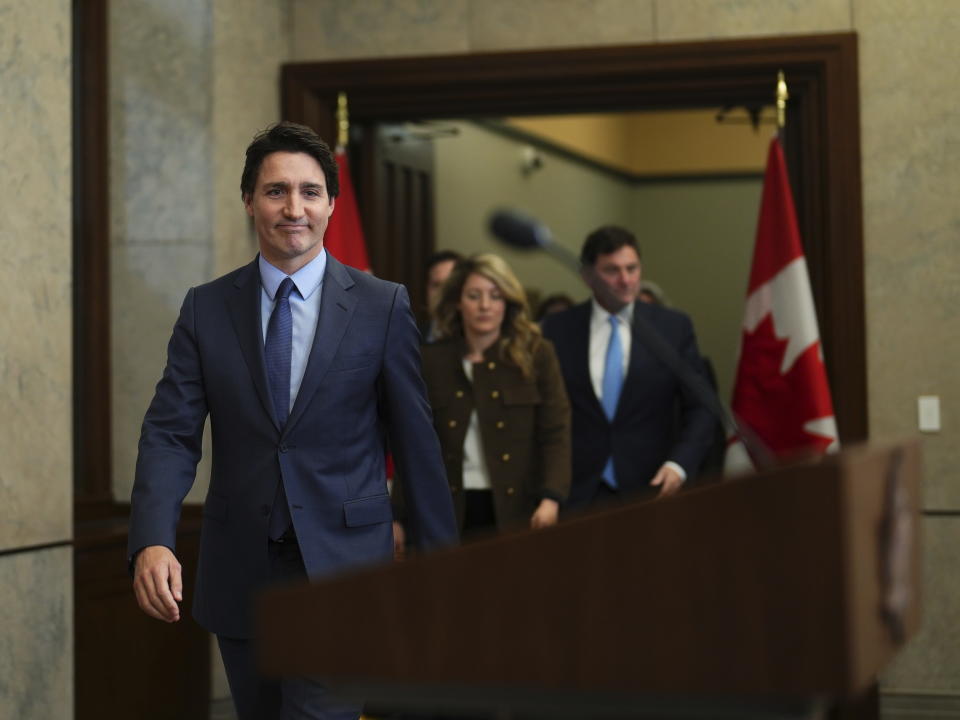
<point>161,201</point>
<point>36,636</point>
<point>911,179</point>
<point>36,479</point>
<point>35,267</point>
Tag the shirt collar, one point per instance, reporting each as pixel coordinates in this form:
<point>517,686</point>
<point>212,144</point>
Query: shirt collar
<point>599,315</point>
<point>306,280</point>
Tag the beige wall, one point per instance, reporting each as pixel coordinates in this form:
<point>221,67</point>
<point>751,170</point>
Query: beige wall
<point>667,142</point>
<point>911,179</point>
<point>479,171</point>
<point>36,445</point>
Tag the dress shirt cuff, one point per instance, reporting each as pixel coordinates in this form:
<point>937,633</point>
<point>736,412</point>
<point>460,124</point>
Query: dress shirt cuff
<point>677,469</point>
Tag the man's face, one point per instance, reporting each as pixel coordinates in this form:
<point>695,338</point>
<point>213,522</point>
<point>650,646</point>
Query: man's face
<point>436,277</point>
<point>615,278</point>
<point>290,208</point>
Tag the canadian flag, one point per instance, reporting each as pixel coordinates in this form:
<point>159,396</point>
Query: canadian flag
<point>781,390</point>
<point>344,236</point>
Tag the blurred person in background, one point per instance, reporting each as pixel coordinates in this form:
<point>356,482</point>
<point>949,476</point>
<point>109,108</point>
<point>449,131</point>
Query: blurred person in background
<point>439,267</point>
<point>555,303</point>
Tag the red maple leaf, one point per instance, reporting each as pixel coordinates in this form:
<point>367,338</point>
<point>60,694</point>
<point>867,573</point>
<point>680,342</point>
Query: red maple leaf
<point>775,405</point>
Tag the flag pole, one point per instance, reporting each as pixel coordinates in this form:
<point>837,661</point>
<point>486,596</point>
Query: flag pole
<point>343,121</point>
<point>782,97</point>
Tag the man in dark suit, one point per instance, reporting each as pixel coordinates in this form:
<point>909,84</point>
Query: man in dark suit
<point>625,401</point>
<point>305,367</point>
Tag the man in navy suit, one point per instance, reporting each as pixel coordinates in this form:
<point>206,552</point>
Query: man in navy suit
<point>306,367</point>
<point>636,429</point>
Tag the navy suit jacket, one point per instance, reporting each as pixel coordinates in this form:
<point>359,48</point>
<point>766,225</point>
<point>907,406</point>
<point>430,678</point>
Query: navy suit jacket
<point>656,420</point>
<point>362,386</point>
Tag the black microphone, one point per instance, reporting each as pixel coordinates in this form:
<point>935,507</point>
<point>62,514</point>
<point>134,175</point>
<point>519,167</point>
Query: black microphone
<point>523,232</point>
<point>519,230</point>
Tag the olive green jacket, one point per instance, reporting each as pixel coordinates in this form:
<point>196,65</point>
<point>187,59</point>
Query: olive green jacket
<point>524,425</point>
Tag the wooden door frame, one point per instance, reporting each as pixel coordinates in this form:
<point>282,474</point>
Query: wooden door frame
<point>822,139</point>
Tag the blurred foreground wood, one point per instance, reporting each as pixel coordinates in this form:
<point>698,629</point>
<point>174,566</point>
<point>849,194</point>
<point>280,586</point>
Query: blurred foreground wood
<point>781,594</point>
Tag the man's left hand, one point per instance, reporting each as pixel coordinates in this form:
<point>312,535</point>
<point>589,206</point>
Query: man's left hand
<point>668,480</point>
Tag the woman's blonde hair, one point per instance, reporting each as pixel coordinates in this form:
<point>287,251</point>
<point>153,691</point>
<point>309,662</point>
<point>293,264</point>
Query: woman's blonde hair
<point>519,335</point>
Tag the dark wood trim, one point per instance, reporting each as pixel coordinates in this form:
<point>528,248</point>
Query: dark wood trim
<point>822,139</point>
<point>109,630</point>
<point>35,548</point>
<point>91,255</point>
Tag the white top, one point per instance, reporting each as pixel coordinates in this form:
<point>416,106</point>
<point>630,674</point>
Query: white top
<point>475,473</point>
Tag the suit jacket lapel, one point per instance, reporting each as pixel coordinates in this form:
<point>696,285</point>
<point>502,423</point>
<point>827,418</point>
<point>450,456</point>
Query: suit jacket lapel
<point>244,305</point>
<point>581,355</point>
<point>336,309</point>
<point>639,354</point>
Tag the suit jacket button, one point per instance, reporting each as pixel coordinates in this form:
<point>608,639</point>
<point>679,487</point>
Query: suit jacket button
<point>506,457</point>
<point>452,423</point>
<point>500,424</point>
<point>491,365</point>
<point>282,448</point>
<point>510,491</point>
<point>264,510</point>
<point>495,394</point>
<point>459,393</point>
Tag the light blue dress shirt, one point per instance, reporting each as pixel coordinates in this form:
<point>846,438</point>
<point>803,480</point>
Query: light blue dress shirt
<point>304,307</point>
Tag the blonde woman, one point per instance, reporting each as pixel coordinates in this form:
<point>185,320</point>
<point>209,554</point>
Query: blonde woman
<point>499,404</point>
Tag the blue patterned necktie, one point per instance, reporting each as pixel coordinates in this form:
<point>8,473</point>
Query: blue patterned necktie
<point>610,389</point>
<point>277,350</point>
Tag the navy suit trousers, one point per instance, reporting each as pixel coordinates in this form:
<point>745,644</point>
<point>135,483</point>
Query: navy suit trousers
<point>259,698</point>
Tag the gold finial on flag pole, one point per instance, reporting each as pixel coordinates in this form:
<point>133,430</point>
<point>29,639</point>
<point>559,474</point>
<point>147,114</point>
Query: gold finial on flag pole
<point>782,97</point>
<point>343,121</point>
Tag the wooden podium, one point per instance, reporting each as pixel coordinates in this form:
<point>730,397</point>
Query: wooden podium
<point>766,596</point>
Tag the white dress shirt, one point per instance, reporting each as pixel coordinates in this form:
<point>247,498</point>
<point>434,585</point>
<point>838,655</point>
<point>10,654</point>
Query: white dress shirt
<point>600,340</point>
<point>600,330</point>
<point>304,309</point>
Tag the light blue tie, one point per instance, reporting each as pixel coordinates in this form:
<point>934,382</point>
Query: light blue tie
<point>611,387</point>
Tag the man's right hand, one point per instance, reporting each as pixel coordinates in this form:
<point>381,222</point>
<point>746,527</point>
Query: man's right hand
<point>157,583</point>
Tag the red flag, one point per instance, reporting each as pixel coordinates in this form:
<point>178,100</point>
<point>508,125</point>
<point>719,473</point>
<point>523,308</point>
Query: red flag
<point>781,390</point>
<point>344,236</point>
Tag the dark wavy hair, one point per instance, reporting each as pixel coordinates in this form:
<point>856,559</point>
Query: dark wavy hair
<point>605,240</point>
<point>286,136</point>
